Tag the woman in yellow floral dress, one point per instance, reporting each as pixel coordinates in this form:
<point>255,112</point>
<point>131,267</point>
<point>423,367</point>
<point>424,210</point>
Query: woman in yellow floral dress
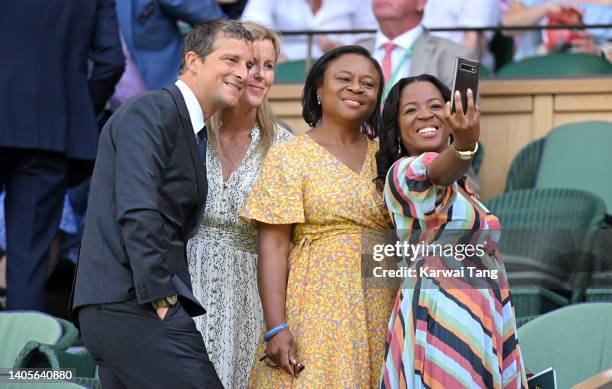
<point>317,192</point>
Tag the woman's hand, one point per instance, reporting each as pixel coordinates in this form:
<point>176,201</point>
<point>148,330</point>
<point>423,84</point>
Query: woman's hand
<point>465,127</point>
<point>272,272</point>
<point>282,351</point>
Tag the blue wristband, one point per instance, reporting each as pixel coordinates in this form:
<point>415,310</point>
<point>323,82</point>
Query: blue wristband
<point>281,327</point>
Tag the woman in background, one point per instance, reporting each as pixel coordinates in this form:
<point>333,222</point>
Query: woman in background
<point>223,254</point>
<point>445,331</point>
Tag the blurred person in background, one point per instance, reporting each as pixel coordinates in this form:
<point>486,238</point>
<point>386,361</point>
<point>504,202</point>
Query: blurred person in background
<point>290,15</point>
<point>464,13</point>
<point>222,255</point>
<point>48,131</point>
<point>232,8</point>
<point>152,36</point>
<point>534,12</point>
<point>404,47</point>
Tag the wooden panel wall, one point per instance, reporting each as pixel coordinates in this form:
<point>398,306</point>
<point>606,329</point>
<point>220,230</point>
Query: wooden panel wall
<point>514,112</point>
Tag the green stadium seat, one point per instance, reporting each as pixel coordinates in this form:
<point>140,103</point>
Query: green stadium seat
<point>478,157</point>
<point>532,302</point>
<point>578,155</point>
<point>600,287</point>
<point>548,209</point>
<point>524,168</point>
<point>574,340</point>
<point>484,72</point>
<point>40,355</point>
<point>547,268</point>
<point>20,327</point>
<point>290,72</point>
<point>33,339</point>
<point>557,66</point>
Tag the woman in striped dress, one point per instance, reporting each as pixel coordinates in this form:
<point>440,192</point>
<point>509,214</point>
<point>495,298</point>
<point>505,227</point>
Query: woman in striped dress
<point>452,325</point>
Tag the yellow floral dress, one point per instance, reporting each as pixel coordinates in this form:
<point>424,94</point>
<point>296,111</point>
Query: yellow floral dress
<point>338,322</point>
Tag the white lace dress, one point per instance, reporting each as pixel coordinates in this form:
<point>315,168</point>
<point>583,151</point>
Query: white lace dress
<point>222,260</point>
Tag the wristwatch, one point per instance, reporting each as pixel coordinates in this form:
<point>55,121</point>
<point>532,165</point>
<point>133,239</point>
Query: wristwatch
<point>464,155</point>
<point>165,302</point>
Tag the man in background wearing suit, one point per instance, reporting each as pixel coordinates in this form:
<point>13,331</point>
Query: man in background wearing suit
<point>48,110</point>
<point>132,291</point>
<point>152,36</point>
<point>403,47</point>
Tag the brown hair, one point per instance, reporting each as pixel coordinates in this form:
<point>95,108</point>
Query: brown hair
<point>203,37</point>
<point>265,119</point>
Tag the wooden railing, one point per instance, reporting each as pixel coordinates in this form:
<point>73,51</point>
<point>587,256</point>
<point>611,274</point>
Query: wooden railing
<point>514,112</point>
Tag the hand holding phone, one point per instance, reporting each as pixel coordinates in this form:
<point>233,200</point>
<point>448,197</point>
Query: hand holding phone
<point>466,74</point>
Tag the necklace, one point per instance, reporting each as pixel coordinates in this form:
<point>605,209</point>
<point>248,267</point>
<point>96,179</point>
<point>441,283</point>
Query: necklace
<point>231,157</point>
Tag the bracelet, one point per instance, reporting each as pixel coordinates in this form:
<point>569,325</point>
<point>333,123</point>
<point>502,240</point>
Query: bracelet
<point>281,327</point>
<point>464,155</point>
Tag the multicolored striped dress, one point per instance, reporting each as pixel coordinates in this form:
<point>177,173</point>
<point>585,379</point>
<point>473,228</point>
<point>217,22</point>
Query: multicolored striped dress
<point>446,330</point>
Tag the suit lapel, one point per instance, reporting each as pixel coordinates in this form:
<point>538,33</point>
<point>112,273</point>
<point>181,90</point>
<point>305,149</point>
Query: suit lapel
<point>200,166</point>
<point>423,50</point>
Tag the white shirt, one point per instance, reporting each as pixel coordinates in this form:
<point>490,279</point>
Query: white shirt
<point>460,13</point>
<point>286,15</point>
<point>404,42</point>
<point>193,107</point>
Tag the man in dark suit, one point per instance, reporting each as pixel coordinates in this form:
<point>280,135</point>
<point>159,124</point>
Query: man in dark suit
<point>132,289</point>
<point>48,109</point>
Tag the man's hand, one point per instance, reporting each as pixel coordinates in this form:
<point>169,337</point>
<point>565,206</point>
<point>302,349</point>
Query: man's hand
<point>161,312</point>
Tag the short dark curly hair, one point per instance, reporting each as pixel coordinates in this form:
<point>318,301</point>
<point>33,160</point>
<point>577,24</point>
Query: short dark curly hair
<point>311,110</point>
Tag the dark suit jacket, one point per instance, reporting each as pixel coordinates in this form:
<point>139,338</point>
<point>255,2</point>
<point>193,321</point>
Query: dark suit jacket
<point>147,192</point>
<point>47,101</point>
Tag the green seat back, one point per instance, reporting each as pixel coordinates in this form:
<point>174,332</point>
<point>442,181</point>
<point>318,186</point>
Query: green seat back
<point>545,225</point>
<point>290,72</point>
<point>478,157</point>
<point>484,72</point>
<point>574,340</point>
<point>530,302</point>
<point>17,328</point>
<point>524,168</point>
<point>548,209</point>
<point>579,155</point>
<point>556,66</point>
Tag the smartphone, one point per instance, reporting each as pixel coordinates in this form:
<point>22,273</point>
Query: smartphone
<point>465,76</point>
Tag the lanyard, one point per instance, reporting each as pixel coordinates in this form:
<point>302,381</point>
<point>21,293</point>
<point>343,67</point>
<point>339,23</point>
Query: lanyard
<point>393,80</point>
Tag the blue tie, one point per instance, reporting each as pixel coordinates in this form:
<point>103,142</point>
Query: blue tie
<point>202,143</point>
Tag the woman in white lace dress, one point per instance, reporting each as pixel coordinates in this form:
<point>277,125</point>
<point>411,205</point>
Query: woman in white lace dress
<point>223,254</point>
